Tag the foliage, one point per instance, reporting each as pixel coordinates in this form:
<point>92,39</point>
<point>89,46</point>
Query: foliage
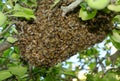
<point>12,68</point>
<point>85,14</point>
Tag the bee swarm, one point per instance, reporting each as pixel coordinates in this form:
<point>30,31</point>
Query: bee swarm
<point>52,38</point>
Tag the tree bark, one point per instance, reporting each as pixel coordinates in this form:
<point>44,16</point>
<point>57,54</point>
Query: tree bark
<point>3,46</point>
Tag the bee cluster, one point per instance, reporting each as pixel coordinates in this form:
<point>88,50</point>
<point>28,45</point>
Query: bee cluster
<point>52,38</point>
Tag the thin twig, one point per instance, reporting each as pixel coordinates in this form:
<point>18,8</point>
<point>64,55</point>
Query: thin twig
<point>95,70</point>
<point>112,68</point>
<point>101,64</point>
<point>70,7</point>
<point>5,45</point>
<point>5,30</point>
<point>114,57</point>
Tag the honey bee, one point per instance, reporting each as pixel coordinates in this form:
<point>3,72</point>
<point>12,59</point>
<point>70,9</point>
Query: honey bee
<point>53,39</point>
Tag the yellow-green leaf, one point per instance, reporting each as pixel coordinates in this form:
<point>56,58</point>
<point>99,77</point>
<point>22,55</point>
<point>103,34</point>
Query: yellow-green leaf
<point>3,18</point>
<point>11,39</point>
<point>14,56</point>
<point>18,70</point>
<point>116,36</point>
<point>5,74</point>
<point>86,15</point>
<point>20,11</point>
<point>115,8</point>
<point>14,29</point>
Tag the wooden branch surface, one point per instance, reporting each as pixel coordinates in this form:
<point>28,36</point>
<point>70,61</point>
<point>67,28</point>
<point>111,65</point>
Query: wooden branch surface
<point>5,45</point>
<point>70,7</point>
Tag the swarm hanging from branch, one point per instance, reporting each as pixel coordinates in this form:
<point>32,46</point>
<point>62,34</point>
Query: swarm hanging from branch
<point>53,38</point>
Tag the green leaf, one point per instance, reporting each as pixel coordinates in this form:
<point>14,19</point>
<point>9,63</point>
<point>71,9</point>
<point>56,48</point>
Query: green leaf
<point>18,70</point>
<point>116,44</point>
<point>84,5</point>
<point>115,8</point>
<point>5,74</point>
<point>11,39</point>
<point>25,15</point>
<point>116,21</point>
<point>10,3</point>
<point>15,1</point>
<point>31,3</point>
<point>14,29</point>
<point>92,65</point>
<point>3,18</point>
<point>71,73</point>
<point>1,5</point>
<point>115,38</point>
<point>68,72</point>
<point>49,78</point>
<point>20,11</point>
<point>16,49</point>
<point>15,56</point>
<point>116,35</point>
<point>110,77</point>
<point>90,51</point>
<point>86,15</point>
<point>118,2</point>
<point>108,62</point>
<point>89,77</point>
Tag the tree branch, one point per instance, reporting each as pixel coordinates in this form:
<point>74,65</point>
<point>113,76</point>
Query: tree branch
<point>70,7</point>
<point>112,68</point>
<point>4,31</point>
<point>114,57</point>
<point>3,46</point>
